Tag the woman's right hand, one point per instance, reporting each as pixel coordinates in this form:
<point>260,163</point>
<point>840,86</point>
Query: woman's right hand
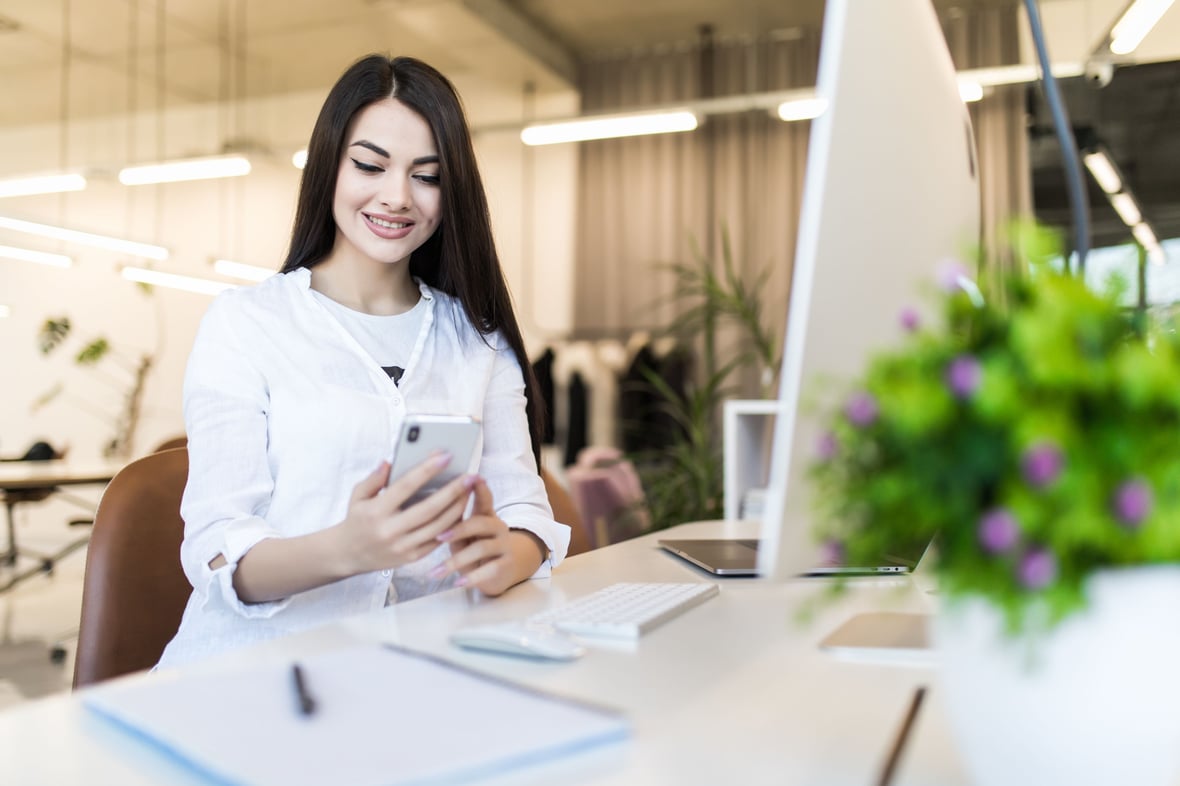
<point>377,534</point>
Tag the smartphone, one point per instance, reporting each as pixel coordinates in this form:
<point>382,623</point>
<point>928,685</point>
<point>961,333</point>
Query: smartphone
<point>423,435</point>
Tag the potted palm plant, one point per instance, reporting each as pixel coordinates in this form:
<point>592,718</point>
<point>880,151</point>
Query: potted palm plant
<point>1034,437</point>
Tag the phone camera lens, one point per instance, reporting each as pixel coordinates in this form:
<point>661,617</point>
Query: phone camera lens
<point>413,435</point>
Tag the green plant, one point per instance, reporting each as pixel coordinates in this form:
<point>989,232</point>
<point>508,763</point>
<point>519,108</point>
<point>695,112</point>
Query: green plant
<point>682,479</point>
<point>129,380</point>
<point>1034,443</point>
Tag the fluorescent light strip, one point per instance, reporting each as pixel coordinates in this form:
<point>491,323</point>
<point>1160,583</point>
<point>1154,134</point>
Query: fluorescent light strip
<point>206,168</point>
<point>1103,170</point>
<point>802,109</point>
<point>85,238</point>
<point>1145,236</point>
<point>609,127</point>
<point>228,267</point>
<point>4,311</point>
<point>299,159</point>
<point>41,184</point>
<point>1124,205</point>
<point>1135,23</point>
<point>40,257</point>
<point>157,278</point>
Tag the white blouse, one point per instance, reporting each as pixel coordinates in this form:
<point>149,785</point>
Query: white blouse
<point>285,413</point>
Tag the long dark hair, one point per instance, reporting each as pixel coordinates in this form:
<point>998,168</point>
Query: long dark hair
<point>460,257</point>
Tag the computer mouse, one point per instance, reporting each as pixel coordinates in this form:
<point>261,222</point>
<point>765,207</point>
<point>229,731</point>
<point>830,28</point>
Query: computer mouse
<point>516,639</point>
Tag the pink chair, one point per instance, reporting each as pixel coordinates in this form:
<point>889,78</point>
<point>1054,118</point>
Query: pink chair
<point>608,494</point>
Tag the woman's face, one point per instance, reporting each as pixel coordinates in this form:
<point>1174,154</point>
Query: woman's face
<point>387,200</point>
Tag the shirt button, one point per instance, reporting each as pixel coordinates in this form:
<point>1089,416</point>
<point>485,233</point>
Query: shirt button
<point>397,402</point>
<point>387,573</point>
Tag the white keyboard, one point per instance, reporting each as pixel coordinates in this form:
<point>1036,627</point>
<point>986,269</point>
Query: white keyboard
<point>625,611</point>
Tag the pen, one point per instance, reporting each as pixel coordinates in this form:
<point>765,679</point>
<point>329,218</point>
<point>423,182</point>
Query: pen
<point>306,700</point>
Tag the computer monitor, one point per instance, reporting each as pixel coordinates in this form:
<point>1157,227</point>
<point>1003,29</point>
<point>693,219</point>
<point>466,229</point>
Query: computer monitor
<point>891,189</point>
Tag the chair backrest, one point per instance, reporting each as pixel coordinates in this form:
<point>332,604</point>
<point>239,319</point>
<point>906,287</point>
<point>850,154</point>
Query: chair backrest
<point>134,590</point>
<point>565,512</point>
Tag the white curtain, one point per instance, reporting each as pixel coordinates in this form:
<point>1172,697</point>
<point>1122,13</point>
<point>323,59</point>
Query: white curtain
<point>647,200</point>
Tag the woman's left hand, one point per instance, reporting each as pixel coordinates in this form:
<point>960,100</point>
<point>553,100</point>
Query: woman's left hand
<point>485,552</point>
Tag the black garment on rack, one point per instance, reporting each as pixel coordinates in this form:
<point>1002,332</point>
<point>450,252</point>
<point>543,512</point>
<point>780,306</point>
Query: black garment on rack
<point>543,372</point>
<point>644,423</point>
<point>576,436</point>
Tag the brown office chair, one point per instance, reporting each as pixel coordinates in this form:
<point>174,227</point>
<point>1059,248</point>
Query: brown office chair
<point>134,589</point>
<point>565,512</point>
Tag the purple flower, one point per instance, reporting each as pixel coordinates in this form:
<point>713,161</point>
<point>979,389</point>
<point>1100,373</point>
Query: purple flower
<point>998,531</point>
<point>1132,502</point>
<point>963,375</point>
<point>950,271</point>
<point>1038,569</point>
<point>861,409</point>
<point>910,320</point>
<point>827,447</point>
<point>1042,464</point>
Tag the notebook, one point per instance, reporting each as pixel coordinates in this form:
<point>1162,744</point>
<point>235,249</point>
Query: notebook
<point>737,557</point>
<point>382,717</point>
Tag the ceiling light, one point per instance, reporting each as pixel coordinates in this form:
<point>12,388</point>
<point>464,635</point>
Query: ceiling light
<point>970,91</point>
<point>1144,235</point>
<point>4,311</point>
<point>157,278</point>
<point>41,184</point>
<point>206,168</point>
<point>609,127</point>
<point>1124,205</point>
<point>1103,170</point>
<point>802,109</point>
<point>85,238</point>
<point>1135,23</point>
<point>227,267</point>
<point>300,158</point>
<point>40,257</point>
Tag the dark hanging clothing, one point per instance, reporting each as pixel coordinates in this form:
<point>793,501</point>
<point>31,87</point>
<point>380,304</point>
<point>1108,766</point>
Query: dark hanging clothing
<point>543,371</point>
<point>644,422</point>
<point>577,427</point>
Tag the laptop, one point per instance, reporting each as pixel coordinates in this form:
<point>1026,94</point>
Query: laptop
<point>739,557</point>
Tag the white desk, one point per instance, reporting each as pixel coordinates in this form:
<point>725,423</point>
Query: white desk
<point>733,691</point>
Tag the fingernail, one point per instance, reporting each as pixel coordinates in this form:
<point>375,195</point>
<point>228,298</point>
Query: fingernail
<point>461,581</point>
<point>470,481</point>
<point>442,459</point>
<point>445,535</point>
<point>439,571</point>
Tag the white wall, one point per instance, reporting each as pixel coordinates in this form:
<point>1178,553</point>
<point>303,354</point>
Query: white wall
<point>532,200</point>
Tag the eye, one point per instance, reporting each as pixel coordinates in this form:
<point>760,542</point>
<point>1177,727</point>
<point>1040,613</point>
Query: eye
<point>366,167</point>
<point>430,180</point>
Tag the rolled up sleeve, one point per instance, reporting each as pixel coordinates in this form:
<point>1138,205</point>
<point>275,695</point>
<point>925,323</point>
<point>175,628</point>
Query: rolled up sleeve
<point>230,481</point>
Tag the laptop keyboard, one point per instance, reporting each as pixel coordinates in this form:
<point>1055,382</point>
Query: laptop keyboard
<point>626,610</point>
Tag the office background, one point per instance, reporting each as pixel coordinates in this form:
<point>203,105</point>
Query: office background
<point>94,85</point>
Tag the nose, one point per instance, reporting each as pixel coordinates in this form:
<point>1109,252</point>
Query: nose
<point>395,194</point>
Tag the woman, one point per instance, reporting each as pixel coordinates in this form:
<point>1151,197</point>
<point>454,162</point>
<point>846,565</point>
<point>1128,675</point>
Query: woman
<point>391,301</point>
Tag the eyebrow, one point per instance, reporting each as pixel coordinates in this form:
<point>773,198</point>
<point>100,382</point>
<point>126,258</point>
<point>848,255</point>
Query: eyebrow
<point>432,159</point>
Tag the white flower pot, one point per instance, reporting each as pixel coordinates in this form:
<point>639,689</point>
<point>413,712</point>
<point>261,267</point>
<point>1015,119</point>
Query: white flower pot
<point>1094,701</point>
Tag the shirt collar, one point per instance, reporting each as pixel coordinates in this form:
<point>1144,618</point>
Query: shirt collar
<point>302,278</point>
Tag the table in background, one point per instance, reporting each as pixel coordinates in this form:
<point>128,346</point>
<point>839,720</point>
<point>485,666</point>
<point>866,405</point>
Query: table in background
<point>733,691</point>
<point>26,482</point>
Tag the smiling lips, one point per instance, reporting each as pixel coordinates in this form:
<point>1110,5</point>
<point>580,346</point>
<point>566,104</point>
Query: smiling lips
<point>388,229</point>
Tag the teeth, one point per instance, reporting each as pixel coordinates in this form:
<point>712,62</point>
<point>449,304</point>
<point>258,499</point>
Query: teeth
<point>381,222</point>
